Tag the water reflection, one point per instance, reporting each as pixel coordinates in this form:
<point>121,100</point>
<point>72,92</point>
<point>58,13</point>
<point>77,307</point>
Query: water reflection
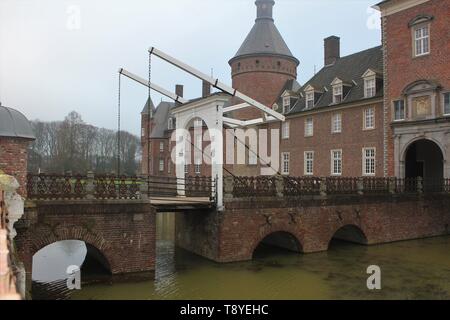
<point>417,269</point>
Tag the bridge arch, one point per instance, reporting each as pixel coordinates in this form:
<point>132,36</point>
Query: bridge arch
<point>42,236</point>
<point>349,233</point>
<point>281,238</point>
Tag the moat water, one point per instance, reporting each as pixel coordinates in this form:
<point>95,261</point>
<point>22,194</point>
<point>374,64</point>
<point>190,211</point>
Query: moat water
<point>417,269</point>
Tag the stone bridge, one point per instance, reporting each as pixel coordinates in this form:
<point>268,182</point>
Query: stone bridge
<point>305,214</point>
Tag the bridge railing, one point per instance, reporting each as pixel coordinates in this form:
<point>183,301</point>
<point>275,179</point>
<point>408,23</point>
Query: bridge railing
<point>197,186</point>
<point>286,186</point>
<point>113,187</point>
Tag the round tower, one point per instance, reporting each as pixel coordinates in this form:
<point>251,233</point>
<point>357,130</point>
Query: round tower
<point>263,63</point>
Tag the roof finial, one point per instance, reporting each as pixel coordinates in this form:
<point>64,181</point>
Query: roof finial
<point>264,9</point>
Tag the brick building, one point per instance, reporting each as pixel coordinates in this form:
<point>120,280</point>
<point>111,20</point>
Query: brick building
<point>416,42</point>
<point>15,135</point>
<point>378,112</point>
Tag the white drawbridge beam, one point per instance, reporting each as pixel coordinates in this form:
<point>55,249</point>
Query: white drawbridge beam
<point>153,86</point>
<point>216,83</point>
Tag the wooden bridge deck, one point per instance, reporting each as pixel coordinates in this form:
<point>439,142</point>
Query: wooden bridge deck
<point>173,204</point>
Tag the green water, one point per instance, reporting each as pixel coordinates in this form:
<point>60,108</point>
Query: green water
<point>418,269</point>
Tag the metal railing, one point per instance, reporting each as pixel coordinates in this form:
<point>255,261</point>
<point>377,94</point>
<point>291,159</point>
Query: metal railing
<point>243,187</point>
<point>112,187</point>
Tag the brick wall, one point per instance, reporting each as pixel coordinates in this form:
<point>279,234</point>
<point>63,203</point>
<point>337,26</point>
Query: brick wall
<point>351,140</point>
<point>123,232</point>
<point>261,78</point>
<point>402,68</point>
<point>234,234</point>
<point>13,160</point>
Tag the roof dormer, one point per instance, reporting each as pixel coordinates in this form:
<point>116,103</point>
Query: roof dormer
<point>312,95</point>
<point>372,80</point>
<point>340,90</point>
<point>288,100</point>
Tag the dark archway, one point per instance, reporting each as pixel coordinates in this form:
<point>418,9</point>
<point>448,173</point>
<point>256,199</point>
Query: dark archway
<point>280,240</point>
<point>350,233</point>
<point>424,159</point>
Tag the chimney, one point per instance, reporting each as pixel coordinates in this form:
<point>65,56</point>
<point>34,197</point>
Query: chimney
<point>332,50</point>
<point>206,89</point>
<point>179,92</point>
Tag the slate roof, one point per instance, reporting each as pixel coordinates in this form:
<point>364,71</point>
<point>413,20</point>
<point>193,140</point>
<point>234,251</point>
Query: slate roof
<point>145,109</point>
<point>14,124</point>
<point>161,119</point>
<point>350,70</point>
<point>290,85</point>
<point>264,38</point>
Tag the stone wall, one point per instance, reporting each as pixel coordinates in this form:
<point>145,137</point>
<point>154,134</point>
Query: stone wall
<point>233,235</point>
<point>124,232</point>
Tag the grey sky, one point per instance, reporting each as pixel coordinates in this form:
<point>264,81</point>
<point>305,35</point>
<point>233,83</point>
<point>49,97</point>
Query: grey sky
<point>49,66</point>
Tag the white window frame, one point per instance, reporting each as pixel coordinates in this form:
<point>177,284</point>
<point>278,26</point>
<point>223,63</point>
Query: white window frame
<point>395,110</point>
<point>334,121</point>
<point>338,91</point>
<point>365,158</point>
<point>143,132</point>
<point>335,160</point>
<point>365,116</point>
<point>285,130</point>
<point>285,163</point>
<point>161,165</point>
<point>309,127</point>
<point>370,87</point>
<point>309,97</point>
<point>161,146</point>
<point>198,168</point>
<point>186,169</point>
<point>286,104</point>
<point>306,161</point>
<point>420,41</point>
<point>443,103</point>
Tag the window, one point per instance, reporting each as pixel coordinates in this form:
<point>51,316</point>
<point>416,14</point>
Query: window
<point>161,165</point>
<point>143,132</point>
<point>422,40</point>
<point>369,161</point>
<point>169,167</point>
<point>337,94</point>
<point>285,130</point>
<point>285,157</point>
<point>309,163</point>
<point>336,123</point>
<point>447,103</point>
<point>198,123</point>
<point>336,162</point>
<point>399,110</point>
<point>309,100</point>
<point>186,168</point>
<point>286,104</point>
<point>161,147</point>
<point>170,124</point>
<point>369,119</point>
<point>198,168</point>
<point>309,127</point>
<point>370,87</point>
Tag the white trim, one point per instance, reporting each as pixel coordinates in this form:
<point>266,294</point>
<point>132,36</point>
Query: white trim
<point>307,134</point>
<point>364,158</point>
<point>305,163</point>
<point>285,130</point>
<point>365,127</point>
<point>332,159</point>
<point>392,8</point>
<point>283,154</point>
<point>333,116</point>
<point>423,26</point>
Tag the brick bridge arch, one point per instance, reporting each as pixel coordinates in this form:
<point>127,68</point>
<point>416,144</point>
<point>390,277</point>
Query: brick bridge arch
<point>284,231</point>
<point>118,234</point>
<point>350,232</point>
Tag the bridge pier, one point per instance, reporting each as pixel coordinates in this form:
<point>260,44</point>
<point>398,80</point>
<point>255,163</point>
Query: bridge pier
<point>234,234</point>
<point>122,233</point>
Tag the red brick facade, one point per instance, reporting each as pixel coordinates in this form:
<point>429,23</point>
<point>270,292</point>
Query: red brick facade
<point>13,160</point>
<point>124,233</point>
<point>234,235</point>
<point>402,68</point>
<point>261,78</point>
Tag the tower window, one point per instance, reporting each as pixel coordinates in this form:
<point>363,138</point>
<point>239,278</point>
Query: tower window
<point>422,40</point>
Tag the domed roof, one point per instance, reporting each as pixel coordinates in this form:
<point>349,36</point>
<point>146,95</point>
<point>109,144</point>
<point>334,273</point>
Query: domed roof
<point>264,38</point>
<point>14,124</point>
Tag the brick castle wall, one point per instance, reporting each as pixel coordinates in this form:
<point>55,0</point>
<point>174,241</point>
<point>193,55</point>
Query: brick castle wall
<point>124,233</point>
<point>402,68</point>
<point>234,234</point>
<point>14,161</point>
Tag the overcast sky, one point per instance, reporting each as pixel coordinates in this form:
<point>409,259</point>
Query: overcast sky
<point>57,56</point>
